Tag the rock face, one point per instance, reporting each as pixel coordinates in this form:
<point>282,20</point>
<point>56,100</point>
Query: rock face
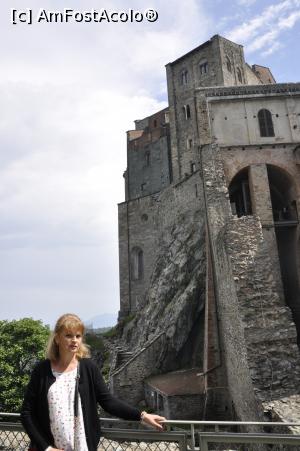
<point>163,336</point>
<point>260,357</point>
<point>225,153</point>
<point>176,292</point>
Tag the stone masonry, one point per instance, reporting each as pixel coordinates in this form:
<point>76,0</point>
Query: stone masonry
<point>209,240</point>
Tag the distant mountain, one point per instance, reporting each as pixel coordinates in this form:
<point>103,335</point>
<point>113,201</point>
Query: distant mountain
<point>104,320</point>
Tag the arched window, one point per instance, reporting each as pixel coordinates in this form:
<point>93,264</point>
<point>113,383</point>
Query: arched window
<point>203,67</point>
<point>239,75</point>
<point>137,263</point>
<point>265,123</point>
<point>186,111</point>
<point>228,64</point>
<point>184,77</point>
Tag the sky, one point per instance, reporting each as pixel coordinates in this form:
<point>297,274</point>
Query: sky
<point>69,91</point>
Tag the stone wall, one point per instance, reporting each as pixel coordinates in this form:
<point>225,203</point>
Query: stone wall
<point>234,121</point>
<point>225,64</point>
<point>147,223</point>
<point>127,382</point>
<point>148,167</point>
<point>270,333</point>
<point>234,54</point>
<point>258,335</point>
<point>187,407</point>
<point>175,293</point>
<point>251,77</point>
<point>137,229</point>
<point>183,129</point>
<point>175,407</point>
<point>233,344</point>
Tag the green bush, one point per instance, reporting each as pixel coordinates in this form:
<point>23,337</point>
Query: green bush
<point>22,344</point>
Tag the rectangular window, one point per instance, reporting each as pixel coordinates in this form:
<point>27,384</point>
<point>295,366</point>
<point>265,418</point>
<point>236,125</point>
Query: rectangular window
<point>203,68</point>
<point>189,143</point>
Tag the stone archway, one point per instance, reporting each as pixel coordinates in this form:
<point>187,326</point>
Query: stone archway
<point>284,206</point>
<point>283,195</point>
<point>239,194</point>
<point>269,192</point>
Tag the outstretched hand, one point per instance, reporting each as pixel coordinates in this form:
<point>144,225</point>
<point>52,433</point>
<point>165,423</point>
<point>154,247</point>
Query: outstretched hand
<point>153,420</point>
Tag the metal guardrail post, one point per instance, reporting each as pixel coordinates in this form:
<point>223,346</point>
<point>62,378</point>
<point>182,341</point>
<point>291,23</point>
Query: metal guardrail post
<point>192,437</point>
<point>202,443</point>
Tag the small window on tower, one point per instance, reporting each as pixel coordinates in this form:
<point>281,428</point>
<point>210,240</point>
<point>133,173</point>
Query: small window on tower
<point>184,77</point>
<point>147,158</point>
<point>203,67</point>
<point>239,75</point>
<point>186,111</point>
<point>228,64</point>
<point>137,263</point>
<point>189,143</point>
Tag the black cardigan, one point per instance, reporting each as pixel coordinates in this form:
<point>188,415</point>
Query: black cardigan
<point>92,389</point>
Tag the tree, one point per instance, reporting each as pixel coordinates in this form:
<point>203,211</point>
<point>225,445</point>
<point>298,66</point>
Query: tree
<point>22,344</point>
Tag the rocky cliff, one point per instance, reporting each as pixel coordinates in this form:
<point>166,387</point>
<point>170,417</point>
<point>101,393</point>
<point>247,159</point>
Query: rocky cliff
<point>167,333</point>
<point>175,298</point>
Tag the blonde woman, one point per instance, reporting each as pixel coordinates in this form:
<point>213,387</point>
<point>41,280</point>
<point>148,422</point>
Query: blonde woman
<point>59,411</point>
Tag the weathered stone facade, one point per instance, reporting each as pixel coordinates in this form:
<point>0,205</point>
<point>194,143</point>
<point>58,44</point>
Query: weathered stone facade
<point>209,238</point>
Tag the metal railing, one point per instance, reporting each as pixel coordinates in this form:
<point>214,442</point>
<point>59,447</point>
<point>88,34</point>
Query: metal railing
<point>118,435</point>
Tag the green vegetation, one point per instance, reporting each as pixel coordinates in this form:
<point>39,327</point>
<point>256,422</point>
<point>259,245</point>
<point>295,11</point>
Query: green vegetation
<point>95,342</point>
<point>112,332</point>
<point>22,344</point>
<point>98,352</point>
<point>106,367</point>
<point>117,330</point>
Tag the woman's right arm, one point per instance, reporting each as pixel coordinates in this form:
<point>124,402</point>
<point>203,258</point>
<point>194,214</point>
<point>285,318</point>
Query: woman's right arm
<point>28,411</point>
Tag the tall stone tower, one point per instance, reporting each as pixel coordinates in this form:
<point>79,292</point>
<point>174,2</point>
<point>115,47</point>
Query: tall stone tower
<point>209,242</point>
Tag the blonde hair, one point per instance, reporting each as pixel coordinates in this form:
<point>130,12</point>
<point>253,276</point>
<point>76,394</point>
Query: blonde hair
<point>67,322</point>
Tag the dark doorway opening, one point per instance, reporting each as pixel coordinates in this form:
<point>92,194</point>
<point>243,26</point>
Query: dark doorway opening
<point>239,194</point>
<point>285,216</point>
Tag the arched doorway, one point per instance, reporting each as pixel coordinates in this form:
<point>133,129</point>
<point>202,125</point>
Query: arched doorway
<point>285,215</point>
<point>239,194</point>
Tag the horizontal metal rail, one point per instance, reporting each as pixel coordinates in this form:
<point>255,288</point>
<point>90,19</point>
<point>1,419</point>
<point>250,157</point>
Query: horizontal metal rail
<point>146,436</point>
<point>189,422</point>
<point>187,435</point>
<point>206,438</point>
<point>11,426</point>
<point>230,423</point>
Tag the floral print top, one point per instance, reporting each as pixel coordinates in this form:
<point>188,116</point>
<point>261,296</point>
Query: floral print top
<point>61,412</point>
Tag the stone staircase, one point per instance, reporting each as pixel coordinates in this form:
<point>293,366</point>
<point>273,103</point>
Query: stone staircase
<point>122,357</point>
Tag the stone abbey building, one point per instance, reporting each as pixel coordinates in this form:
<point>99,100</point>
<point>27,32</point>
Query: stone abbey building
<point>209,244</point>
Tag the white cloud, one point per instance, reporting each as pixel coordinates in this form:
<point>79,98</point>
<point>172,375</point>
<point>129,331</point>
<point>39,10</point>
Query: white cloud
<point>274,48</point>
<point>69,93</point>
<point>246,3</point>
<point>262,32</point>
